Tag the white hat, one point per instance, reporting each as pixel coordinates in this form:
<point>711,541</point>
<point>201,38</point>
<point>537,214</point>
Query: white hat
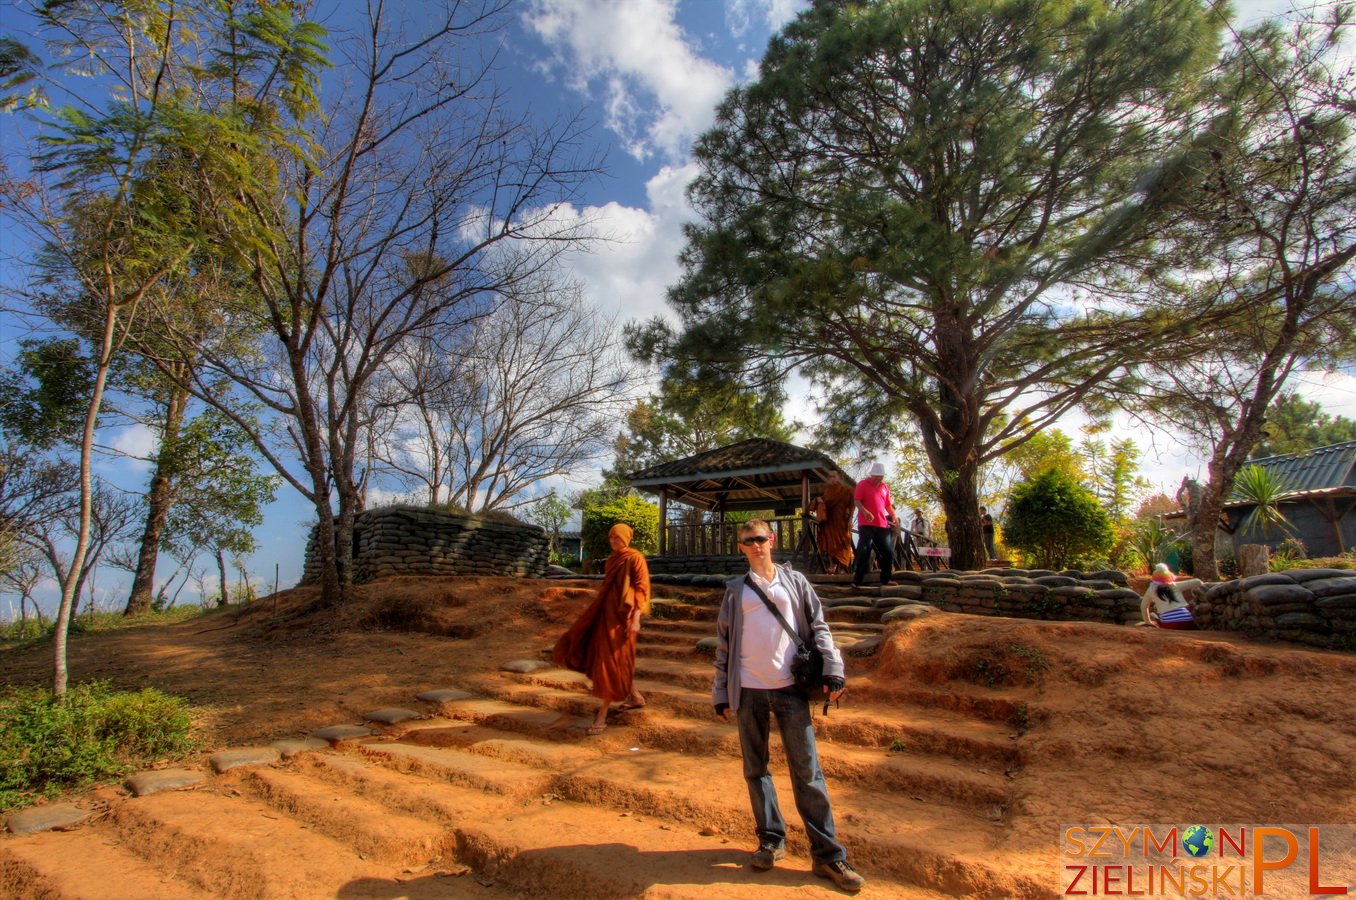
<point>876,469</point>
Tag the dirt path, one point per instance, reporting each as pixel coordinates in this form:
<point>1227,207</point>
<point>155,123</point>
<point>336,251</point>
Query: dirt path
<point>966,743</point>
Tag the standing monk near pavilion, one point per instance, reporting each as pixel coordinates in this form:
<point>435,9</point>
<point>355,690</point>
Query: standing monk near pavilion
<point>835,524</point>
<point>602,642</point>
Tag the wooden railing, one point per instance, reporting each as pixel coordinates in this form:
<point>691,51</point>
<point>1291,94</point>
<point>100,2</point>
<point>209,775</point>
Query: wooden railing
<point>911,551</point>
<point>704,539</point>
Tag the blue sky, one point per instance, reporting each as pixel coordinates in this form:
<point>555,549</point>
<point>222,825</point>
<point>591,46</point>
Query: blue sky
<point>648,74</point>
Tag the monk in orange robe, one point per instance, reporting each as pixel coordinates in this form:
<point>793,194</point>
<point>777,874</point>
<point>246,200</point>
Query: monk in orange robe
<point>602,641</point>
<point>835,524</point>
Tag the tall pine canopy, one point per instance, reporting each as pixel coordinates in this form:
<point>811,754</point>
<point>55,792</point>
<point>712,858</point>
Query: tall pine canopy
<point>911,204</point>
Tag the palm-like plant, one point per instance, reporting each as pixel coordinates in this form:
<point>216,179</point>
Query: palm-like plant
<point>1264,491</point>
<point>1151,540</point>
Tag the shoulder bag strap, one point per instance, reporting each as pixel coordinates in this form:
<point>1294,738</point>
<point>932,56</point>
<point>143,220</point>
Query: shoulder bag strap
<point>772,608</point>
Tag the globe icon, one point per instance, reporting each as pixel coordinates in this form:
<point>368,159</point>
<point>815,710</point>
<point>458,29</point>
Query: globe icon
<point>1197,841</point>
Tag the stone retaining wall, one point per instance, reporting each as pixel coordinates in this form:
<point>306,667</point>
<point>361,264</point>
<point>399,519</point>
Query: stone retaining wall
<point>1312,606</point>
<point>411,540</point>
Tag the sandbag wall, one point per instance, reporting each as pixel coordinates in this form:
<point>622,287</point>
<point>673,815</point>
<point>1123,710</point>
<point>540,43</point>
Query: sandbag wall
<point>1069,595</point>
<point>411,540</point>
<point>1312,606</point>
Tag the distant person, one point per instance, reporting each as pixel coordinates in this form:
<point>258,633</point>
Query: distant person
<point>875,519</point>
<point>602,642</point>
<point>919,525</point>
<point>753,683</point>
<point>986,525</point>
<point>1163,604</point>
<point>833,510</point>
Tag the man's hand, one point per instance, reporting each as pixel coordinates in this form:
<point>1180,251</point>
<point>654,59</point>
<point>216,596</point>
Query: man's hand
<point>834,695</point>
<point>868,516</point>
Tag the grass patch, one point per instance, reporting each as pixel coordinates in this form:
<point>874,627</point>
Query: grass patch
<point>1281,563</point>
<point>98,623</point>
<point>48,745</point>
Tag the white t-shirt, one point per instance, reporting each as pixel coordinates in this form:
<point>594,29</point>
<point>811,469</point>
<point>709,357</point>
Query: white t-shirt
<point>765,649</point>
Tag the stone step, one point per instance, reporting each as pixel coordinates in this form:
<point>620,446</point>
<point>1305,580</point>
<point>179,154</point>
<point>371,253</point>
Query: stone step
<point>646,783</point>
<point>234,847</point>
<point>980,788</point>
<point>553,847</point>
<point>84,865</point>
<point>932,731</point>
<point>373,831</point>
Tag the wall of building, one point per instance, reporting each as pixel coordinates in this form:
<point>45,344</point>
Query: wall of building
<point>410,540</point>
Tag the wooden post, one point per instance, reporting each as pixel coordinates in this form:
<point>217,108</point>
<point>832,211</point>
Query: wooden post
<point>723,547</point>
<point>664,520</point>
<point>804,504</point>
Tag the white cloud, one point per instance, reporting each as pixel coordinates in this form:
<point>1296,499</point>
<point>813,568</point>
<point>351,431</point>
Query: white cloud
<point>635,259</point>
<point>743,15</point>
<point>657,92</point>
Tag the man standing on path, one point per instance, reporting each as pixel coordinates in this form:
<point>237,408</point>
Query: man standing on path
<point>753,683</point>
<point>986,526</point>
<point>875,518</point>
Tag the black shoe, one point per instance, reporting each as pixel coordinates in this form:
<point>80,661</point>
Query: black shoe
<point>841,874</point>
<point>765,856</point>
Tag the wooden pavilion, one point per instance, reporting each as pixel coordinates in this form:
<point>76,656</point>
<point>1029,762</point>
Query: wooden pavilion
<point>753,475</point>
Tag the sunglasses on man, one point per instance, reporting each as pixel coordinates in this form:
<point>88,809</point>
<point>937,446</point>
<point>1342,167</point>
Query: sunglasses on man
<point>754,539</point>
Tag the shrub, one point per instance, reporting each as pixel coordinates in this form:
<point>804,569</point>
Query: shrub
<point>632,510</point>
<point>49,744</point>
<point>1055,521</point>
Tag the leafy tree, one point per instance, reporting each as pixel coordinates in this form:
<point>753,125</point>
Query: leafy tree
<point>1294,425</point>
<point>1056,522</point>
<point>553,514</point>
<point>910,200</point>
<point>630,510</point>
<point>689,416</point>
<point>219,496</point>
<point>1112,470</point>
<point>421,203</point>
<point>1264,246</point>
<point>44,396</point>
<point>1155,505</point>
<point>165,167</point>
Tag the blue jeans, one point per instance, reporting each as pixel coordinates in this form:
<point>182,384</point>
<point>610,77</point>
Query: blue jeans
<point>869,537</point>
<point>756,708</point>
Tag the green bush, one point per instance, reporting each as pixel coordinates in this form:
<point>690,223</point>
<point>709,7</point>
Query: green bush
<point>632,510</point>
<point>50,744</point>
<point>1056,522</point>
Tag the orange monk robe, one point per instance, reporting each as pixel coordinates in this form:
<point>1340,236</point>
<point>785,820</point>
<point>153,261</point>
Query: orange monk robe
<point>835,532</point>
<point>601,643</point>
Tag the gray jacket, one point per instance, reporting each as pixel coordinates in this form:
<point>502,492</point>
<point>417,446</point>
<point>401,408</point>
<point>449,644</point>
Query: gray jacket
<point>809,618</point>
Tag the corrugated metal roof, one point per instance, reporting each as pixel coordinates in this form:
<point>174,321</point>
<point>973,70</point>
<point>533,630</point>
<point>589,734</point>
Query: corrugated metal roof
<point>1320,469</point>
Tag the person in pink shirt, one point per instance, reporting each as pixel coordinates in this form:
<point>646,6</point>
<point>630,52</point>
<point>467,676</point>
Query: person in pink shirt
<point>875,521</point>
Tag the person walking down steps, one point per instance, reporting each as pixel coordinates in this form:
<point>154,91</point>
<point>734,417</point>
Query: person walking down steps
<point>753,684</point>
<point>602,642</point>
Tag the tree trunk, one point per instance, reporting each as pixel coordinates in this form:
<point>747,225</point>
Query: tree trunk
<point>1253,559</point>
<point>224,597</point>
<point>158,503</point>
<point>960,502</point>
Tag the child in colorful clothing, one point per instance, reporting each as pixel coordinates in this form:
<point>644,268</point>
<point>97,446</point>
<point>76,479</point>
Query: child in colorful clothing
<point>1163,605</point>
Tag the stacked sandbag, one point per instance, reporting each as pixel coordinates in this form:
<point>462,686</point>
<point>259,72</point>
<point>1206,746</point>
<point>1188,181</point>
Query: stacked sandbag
<point>410,540</point>
<point>1312,606</point>
<point>1069,595</point>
